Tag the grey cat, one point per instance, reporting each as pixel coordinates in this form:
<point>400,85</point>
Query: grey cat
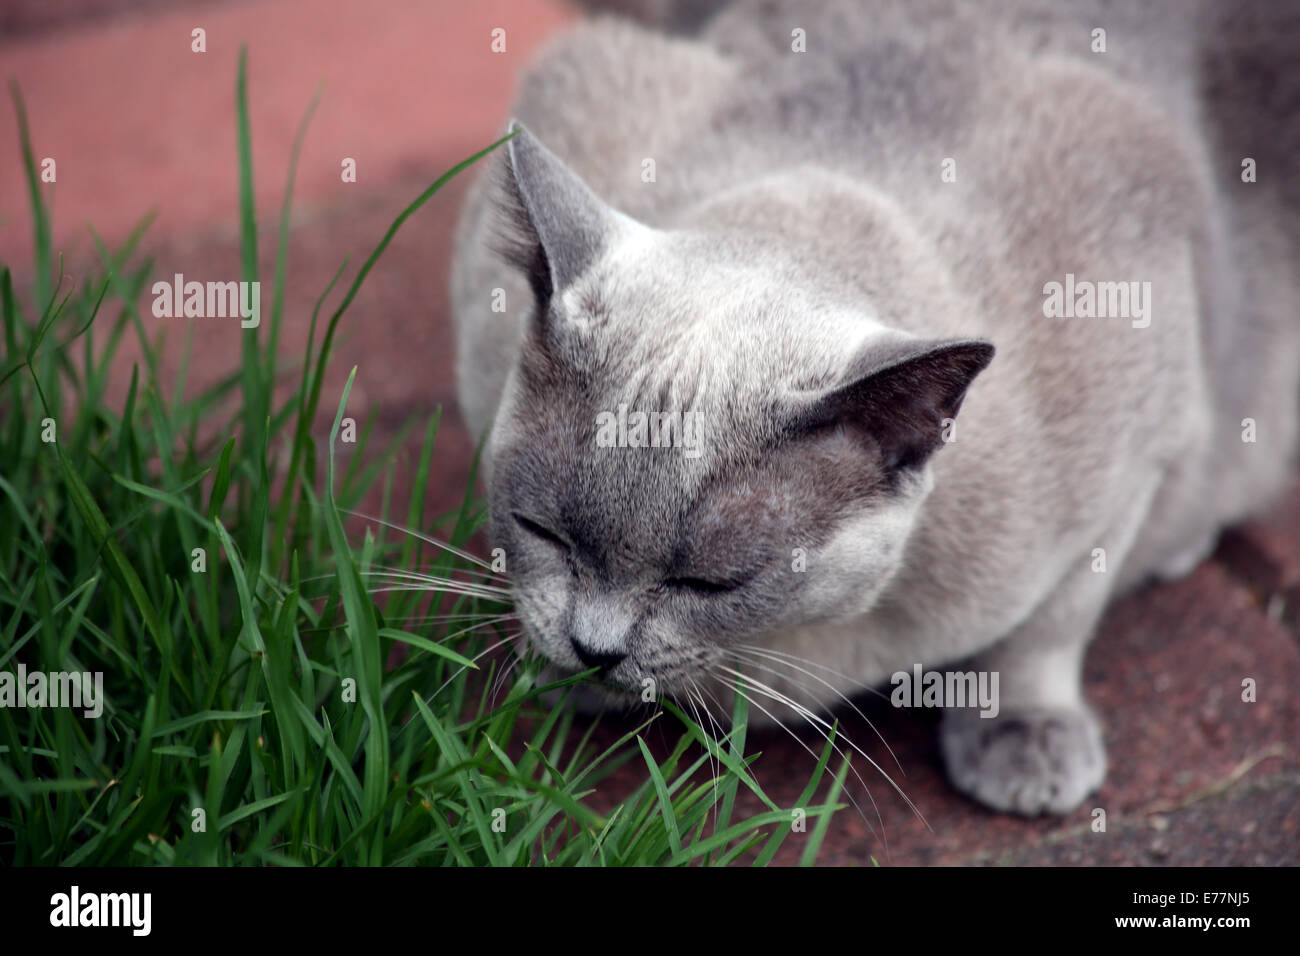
<point>813,254</point>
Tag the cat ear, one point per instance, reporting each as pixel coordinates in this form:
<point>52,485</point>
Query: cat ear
<point>559,226</point>
<point>899,396</point>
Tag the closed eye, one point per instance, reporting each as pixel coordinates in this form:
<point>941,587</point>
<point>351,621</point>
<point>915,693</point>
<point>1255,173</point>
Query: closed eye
<point>702,585</point>
<point>540,531</point>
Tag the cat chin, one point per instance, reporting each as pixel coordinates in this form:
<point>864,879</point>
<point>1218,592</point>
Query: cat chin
<point>590,697</point>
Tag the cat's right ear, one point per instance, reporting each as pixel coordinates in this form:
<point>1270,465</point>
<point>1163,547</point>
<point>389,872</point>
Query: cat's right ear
<point>557,227</point>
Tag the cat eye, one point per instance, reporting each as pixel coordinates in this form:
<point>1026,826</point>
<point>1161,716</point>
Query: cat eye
<point>540,531</point>
<point>702,585</point>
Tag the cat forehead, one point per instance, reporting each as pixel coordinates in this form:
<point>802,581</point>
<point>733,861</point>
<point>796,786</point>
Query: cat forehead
<point>661,304</point>
<point>669,273</point>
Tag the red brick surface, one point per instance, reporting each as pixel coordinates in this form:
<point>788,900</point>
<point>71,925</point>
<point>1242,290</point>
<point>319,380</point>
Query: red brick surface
<point>136,121</point>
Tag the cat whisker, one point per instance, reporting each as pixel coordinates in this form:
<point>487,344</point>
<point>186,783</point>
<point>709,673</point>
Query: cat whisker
<point>812,717</point>
<point>459,552</point>
<point>435,585</point>
<point>811,663</point>
<point>411,575</point>
<point>705,690</point>
<point>448,618</point>
<point>374,569</point>
<point>499,681</point>
<point>486,622</point>
<point>508,639</point>
<point>472,575</point>
<point>754,651</point>
<point>480,621</point>
<point>447,587</point>
<point>737,689</point>
<point>442,619</point>
<point>825,710</point>
<point>496,683</point>
<point>715,769</point>
<point>717,724</point>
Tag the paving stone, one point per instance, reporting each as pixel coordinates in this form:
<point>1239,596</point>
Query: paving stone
<point>21,21</point>
<point>1251,825</point>
<point>410,89</point>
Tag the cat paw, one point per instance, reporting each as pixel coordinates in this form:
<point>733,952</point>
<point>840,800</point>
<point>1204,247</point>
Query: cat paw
<point>1028,761</point>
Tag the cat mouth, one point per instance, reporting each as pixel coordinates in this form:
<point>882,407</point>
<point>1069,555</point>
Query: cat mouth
<point>617,691</point>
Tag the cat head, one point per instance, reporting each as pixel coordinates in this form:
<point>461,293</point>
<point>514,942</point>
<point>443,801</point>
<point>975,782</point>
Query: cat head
<point>697,445</point>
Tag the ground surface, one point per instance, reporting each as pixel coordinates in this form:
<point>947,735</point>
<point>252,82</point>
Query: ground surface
<point>136,121</point>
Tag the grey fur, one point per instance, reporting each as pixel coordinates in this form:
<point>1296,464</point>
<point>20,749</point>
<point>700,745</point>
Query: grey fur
<point>796,251</point>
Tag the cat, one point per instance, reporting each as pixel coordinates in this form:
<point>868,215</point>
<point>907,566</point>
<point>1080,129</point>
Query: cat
<point>891,259</point>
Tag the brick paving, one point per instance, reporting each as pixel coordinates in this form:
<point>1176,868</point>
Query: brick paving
<point>136,121</point>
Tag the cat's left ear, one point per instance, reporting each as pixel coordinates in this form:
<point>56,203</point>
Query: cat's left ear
<point>561,227</point>
<point>899,396</point>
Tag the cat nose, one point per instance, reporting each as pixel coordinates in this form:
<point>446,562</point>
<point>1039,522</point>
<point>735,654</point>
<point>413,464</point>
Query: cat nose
<point>605,660</point>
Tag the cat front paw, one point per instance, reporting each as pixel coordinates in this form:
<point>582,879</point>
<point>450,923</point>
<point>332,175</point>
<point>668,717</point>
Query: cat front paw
<point>1028,761</point>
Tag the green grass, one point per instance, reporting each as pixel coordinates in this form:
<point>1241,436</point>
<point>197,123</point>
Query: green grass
<point>256,696</point>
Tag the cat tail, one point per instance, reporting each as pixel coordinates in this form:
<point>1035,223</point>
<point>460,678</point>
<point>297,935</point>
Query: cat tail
<point>1250,82</point>
<point>673,16</point>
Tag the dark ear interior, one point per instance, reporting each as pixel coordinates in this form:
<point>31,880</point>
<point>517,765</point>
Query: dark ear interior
<point>555,226</point>
<point>898,396</point>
